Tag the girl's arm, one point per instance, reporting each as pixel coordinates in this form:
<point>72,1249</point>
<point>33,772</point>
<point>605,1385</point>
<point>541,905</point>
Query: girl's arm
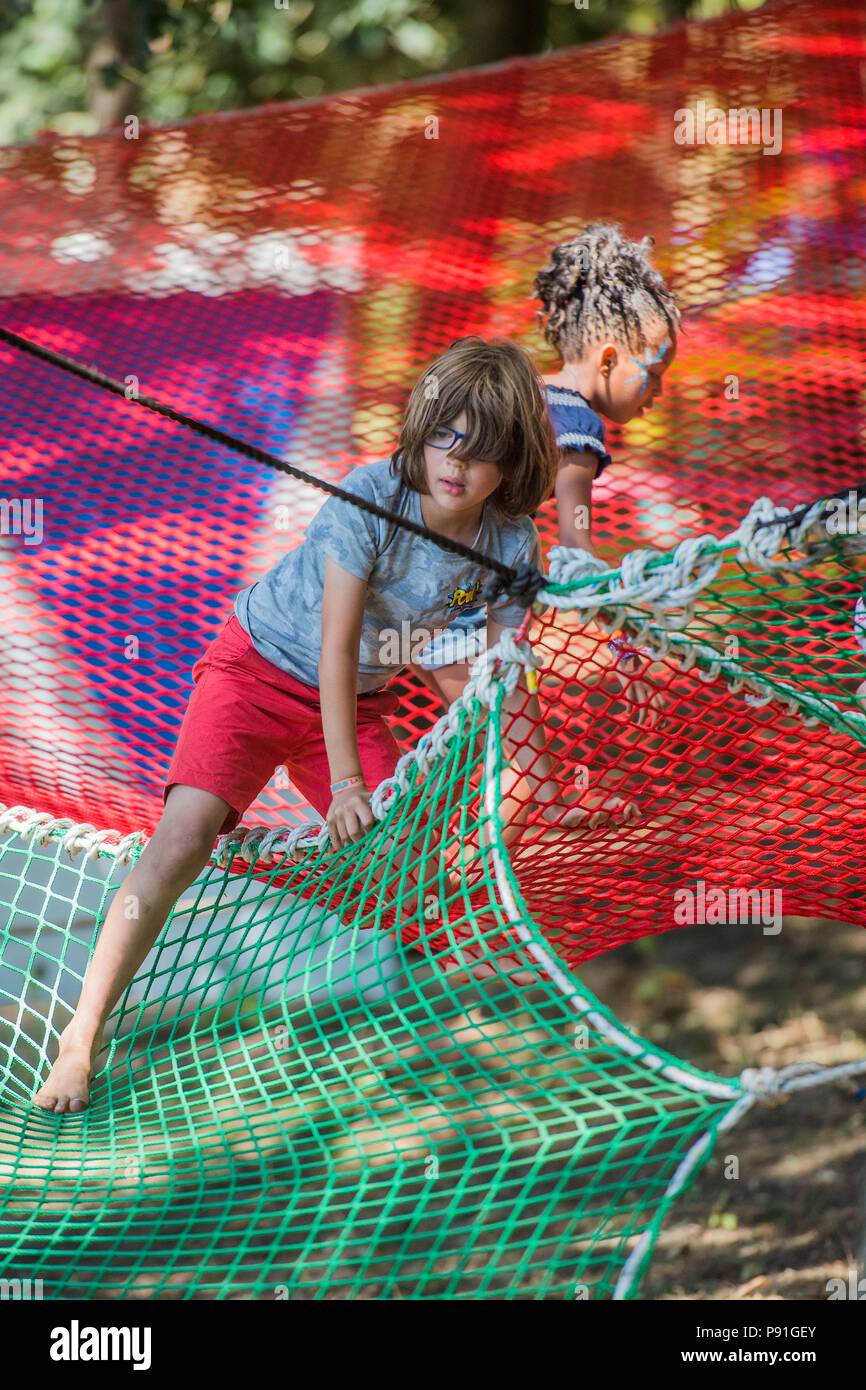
<point>573,492</point>
<point>349,815</point>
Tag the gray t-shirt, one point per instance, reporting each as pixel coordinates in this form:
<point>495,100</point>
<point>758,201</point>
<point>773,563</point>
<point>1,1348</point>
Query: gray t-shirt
<point>414,588</point>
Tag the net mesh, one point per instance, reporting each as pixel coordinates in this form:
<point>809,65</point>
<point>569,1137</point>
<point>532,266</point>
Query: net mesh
<point>309,1091</point>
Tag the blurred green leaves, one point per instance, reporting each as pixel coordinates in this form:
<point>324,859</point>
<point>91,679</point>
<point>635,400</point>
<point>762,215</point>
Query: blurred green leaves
<point>75,66</point>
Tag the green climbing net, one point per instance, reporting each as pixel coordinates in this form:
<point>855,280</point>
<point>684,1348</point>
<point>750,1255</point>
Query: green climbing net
<point>303,1094</point>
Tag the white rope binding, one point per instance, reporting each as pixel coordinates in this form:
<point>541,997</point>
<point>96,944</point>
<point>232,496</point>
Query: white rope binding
<point>678,576</point>
<point>677,579</point>
<point>758,1084</point>
<point>766,529</point>
<point>41,827</point>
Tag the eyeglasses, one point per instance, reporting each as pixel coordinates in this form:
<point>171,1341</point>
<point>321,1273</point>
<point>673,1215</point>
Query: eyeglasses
<point>443,437</point>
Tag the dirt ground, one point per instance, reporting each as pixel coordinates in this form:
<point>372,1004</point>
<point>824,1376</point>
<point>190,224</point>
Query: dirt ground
<point>726,998</point>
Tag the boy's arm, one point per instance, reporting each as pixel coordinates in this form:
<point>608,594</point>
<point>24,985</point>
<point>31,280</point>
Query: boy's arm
<point>342,618</point>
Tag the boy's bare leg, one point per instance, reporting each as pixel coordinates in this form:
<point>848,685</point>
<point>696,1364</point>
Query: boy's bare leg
<point>170,861</point>
<point>448,682</point>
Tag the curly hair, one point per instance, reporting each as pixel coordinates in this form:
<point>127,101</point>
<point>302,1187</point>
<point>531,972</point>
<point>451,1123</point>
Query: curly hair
<point>602,286</point>
<point>503,395</point>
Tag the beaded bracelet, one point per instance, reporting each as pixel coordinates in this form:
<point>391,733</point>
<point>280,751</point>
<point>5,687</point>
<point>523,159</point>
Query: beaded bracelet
<point>349,782</point>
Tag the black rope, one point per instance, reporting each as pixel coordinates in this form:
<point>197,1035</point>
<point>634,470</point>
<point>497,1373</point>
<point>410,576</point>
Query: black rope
<point>522,584</point>
<point>523,587</point>
<point>789,522</point>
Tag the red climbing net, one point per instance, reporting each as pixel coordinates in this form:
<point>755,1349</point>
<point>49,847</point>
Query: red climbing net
<point>287,273</point>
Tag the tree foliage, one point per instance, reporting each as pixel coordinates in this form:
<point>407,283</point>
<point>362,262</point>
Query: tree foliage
<point>77,66</point>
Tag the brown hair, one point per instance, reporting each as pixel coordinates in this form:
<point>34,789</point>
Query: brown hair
<point>602,285</point>
<point>507,422</point>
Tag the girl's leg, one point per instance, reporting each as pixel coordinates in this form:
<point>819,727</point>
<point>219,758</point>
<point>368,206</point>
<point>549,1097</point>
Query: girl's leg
<point>170,861</point>
<point>448,683</point>
<point>427,877</point>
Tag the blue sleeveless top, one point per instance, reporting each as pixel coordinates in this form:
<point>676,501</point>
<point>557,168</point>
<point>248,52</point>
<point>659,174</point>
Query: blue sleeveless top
<point>576,424</point>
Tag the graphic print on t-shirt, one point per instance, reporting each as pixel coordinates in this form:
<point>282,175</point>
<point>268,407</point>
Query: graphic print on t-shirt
<point>462,598</point>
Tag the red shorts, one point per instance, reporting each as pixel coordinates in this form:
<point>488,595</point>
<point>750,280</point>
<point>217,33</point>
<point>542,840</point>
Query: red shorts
<point>246,718</point>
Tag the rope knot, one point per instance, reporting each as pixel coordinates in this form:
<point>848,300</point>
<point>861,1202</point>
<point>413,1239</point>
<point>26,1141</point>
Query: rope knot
<point>523,587</point>
<point>765,1083</point>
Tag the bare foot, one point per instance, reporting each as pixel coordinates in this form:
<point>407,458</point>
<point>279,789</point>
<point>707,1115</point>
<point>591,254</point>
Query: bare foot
<point>607,808</point>
<point>67,1088</point>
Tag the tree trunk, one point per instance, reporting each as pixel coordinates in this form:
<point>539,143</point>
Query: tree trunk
<point>495,29</point>
<point>118,42</point>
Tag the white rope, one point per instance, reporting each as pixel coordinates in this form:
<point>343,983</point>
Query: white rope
<point>799,1076</point>
<point>682,1175</point>
<point>758,1084</point>
<point>810,708</point>
<point>652,578</point>
<point>267,844</point>
<point>678,577</point>
<point>766,529</point>
<point>41,827</point>
<point>672,579</point>
<point>567,986</point>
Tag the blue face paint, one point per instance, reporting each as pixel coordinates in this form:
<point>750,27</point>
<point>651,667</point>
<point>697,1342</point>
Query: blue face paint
<point>643,375</point>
